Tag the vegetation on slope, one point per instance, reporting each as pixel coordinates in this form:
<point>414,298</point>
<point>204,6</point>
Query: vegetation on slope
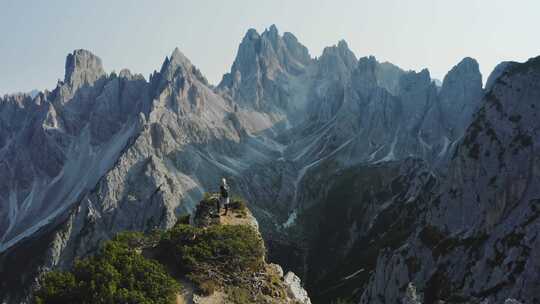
<point>212,256</point>
<point>217,253</point>
<point>117,274</point>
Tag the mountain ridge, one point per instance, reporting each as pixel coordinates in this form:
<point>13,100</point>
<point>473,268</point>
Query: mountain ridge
<point>127,153</point>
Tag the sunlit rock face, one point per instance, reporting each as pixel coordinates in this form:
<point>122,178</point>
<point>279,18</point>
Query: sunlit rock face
<point>57,145</point>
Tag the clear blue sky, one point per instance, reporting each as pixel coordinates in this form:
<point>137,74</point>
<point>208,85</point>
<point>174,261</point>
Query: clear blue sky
<point>35,36</point>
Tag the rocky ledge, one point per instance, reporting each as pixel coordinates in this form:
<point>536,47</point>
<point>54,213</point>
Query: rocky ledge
<point>265,284</point>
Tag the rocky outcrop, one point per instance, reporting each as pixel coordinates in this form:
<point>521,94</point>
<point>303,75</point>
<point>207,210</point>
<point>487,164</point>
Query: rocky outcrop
<point>268,285</point>
<point>295,289</point>
<point>410,295</point>
<point>57,145</point>
<point>261,73</point>
<point>497,72</point>
<point>388,76</point>
<point>82,68</point>
<point>336,62</point>
<point>477,240</point>
<point>460,96</point>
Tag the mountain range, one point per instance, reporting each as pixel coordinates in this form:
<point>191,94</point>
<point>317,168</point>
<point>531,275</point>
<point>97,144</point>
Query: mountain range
<point>372,183</point>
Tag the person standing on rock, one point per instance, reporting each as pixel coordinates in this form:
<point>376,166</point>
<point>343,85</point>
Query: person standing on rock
<point>223,196</point>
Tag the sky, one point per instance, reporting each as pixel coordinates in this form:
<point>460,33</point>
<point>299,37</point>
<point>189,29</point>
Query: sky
<point>36,36</point>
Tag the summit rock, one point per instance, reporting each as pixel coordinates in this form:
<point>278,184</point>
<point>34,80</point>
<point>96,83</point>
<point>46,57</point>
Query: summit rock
<point>82,68</point>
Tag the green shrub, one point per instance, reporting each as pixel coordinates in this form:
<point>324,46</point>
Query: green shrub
<point>57,287</point>
<point>130,239</point>
<point>208,201</point>
<point>230,248</point>
<point>238,205</point>
<point>117,274</point>
<point>213,253</point>
<point>183,219</point>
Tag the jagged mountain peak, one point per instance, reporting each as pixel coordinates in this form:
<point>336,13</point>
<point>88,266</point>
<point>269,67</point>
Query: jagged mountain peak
<point>367,61</point>
<point>175,66</point>
<point>341,51</point>
<point>290,36</point>
<point>270,43</point>
<point>272,34</point>
<point>424,74</point>
<point>464,74</point>
<point>176,60</point>
<point>388,76</point>
<point>415,79</point>
<point>251,34</point>
<point>263,60</point>
<point>273,29</point>
<point>460,94</point>
<point>177,57</point>
<point>364,76</point>
<point>343,45</point>
<point>337,62</point>
<point>466,67</point>
<point>468,62</point>
<point>297,49</point>
<point>82,68</point>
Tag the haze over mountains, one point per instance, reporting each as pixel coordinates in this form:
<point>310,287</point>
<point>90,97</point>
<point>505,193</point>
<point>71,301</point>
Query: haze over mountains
<point>369,181</point>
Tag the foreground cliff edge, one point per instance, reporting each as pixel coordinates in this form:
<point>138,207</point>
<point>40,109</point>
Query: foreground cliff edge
<point>209,259</point>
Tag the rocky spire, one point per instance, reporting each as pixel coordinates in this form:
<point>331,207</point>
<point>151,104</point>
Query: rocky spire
<point>179,59</point>
<point>261,60</point>
<point>272,35</point>
<point>345,52</point>
<point>364,78</point>
<point>286,47</point>
<point>337,60</point>
<point>410,295</point>
<point>296,49</point>
<point>388,76</point>
<point>82,68</point>
<point>467,67</point>
<point>460,95</point>
<point>174,67</point>
<point>171,64</point>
